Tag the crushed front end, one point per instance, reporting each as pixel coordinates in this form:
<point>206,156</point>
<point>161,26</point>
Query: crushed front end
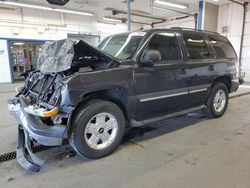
<point>42,106</point>
<point>42,114</point>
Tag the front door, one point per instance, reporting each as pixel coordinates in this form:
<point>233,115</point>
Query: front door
<point>163,87</point>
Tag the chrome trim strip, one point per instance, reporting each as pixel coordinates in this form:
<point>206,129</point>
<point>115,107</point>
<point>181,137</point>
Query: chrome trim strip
<point>198,90</point>
<point>163,97</point>
<point>172,95</point>
<point>199,87</point>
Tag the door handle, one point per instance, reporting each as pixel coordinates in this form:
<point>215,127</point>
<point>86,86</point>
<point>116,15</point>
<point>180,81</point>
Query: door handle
<point>211,68</point>
<point>183,70</point>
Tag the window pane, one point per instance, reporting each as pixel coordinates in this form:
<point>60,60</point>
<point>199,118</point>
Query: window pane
<point>103,43</point>
<point>130,48</point>
<point>122,46</point>
<point>222,47</point>
<point>196,46</point>
<point>115,44</point>
<point>167,44</point>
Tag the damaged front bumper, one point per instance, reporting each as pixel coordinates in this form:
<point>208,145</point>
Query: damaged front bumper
<point>30,129</point>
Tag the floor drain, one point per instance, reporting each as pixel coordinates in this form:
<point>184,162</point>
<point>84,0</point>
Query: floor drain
<point>12,155</point>
<point>7,156</point>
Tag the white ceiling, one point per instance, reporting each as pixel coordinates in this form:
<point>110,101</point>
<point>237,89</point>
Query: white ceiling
<point>139,6</point>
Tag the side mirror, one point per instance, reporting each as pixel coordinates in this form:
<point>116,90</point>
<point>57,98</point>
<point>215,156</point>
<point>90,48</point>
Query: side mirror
<point>148,58</point>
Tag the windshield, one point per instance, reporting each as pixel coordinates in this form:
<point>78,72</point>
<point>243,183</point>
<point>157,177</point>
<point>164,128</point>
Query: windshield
<point>122,46</point>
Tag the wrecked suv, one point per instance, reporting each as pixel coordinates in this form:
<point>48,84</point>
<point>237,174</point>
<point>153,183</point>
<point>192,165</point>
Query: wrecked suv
<point>91,95</point>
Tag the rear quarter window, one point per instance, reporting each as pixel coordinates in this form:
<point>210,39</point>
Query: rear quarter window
<point>222,47</point>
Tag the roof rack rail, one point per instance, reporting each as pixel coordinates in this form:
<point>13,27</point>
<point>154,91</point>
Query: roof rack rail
<point>190,29</point>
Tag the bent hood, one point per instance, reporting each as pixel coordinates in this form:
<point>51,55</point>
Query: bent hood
<point>58,56</point>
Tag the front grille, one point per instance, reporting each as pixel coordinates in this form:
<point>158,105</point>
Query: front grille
<point>40,87</point>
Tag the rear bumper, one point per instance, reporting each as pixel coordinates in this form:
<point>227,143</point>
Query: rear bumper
<point>32,128</point>
<point>242,76</point>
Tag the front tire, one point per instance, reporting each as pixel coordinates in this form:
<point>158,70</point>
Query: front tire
<point>217,101</point>
<point>97,129</point>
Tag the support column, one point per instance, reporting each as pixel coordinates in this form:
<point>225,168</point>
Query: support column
<point>200,14</point>
<point>129,15</point>
<point>208,16</point>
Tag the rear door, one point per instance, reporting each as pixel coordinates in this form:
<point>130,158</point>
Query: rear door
<point>201,64</point>
<point>162,88</point>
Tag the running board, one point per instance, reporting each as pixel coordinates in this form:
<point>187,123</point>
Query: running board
<point>135,123</point>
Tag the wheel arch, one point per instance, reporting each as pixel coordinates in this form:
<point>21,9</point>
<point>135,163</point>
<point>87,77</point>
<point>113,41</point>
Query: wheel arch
<point>225,79</point>
<point>117,95</point>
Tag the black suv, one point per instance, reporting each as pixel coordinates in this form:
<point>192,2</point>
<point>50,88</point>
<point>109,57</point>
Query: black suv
<point>91,95</point>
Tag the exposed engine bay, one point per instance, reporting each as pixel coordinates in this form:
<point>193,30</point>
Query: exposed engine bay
<point>43,91</point>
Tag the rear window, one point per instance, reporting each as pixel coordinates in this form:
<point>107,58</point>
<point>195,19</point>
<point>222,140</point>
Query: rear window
<point>196,46</point>
<point>222,47</point>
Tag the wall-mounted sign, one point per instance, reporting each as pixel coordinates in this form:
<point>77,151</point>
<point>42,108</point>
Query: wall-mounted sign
<point>225,29</point>
<point>1,52</point>
<point>5,67</point>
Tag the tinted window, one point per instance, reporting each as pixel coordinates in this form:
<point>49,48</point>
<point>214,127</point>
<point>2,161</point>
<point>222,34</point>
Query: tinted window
<point>103,43</point>
<point>222,47</point>
<point>115,44</point>
<point>196,46</point>
<point>122,46</point>
<point>167,44</point>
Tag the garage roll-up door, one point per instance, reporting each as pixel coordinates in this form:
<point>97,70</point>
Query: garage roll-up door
<point>246,47</point>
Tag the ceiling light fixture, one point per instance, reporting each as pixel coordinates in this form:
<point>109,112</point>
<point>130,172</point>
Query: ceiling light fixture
<point>25,5</point>
<point>170,4</point>
<point>164,9</point>
<point>18,43</point>
<point>195,41</point>
<point>46,8</point>
<point>112,19</point>
<point>74,12</point>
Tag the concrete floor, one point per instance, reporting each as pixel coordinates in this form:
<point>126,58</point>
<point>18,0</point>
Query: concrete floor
<point>185,152</point>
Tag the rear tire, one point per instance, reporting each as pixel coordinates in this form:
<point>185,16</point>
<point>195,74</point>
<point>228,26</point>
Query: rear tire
<point>97,129</point>
<point>217,101</point>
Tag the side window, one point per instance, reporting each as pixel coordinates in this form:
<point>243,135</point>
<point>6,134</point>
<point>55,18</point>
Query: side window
<point>167,45</point>
<point>222,47</point>
<point>196,46</point>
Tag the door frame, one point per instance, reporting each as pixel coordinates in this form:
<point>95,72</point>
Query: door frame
<point>9,50</point>
<point>182,61</point>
